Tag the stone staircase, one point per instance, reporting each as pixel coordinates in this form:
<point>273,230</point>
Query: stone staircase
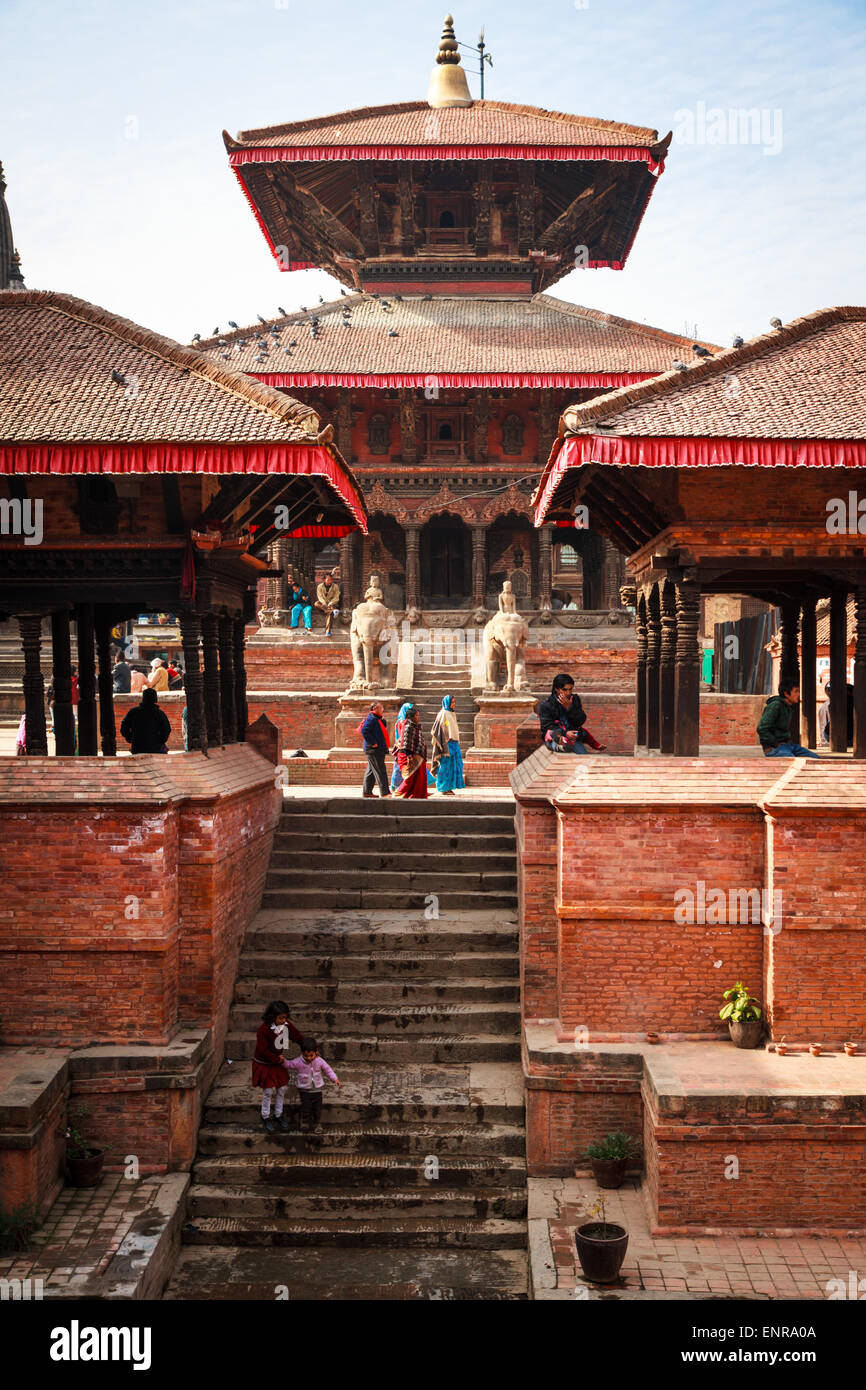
<point>430,684</point>
<point>416,1186</point>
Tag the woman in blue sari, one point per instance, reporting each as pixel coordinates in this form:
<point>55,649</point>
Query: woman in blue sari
<point>396,775</point>
<point>447,760</point>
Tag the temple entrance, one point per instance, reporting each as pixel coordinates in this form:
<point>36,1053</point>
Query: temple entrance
<point>578,562</point>
<point>446,563</point>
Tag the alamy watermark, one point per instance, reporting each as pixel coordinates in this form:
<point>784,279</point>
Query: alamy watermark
<point>22,517</point>
<point>738,125</point>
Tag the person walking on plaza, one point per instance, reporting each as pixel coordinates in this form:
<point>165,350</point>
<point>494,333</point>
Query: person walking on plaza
<point>121,674</point>
<point>309,1072</point>
<point>145,727</point>
<point>274,1033</point>
<point>299,602</point>
<point>396,775</point>
<point>374,732</point>
<point>328,601</point>
<point>774,729</point>
<point>447,760</point>
<point>412,757</point>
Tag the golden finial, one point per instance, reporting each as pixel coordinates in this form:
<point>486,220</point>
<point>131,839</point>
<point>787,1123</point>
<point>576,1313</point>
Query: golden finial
<point>448,85</point>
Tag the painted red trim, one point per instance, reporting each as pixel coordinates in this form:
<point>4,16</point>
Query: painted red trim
<point>287,154</point>
<point>445,380</point>
<point>314,532</point>
<point>671,452</point>
<point>70,459</point>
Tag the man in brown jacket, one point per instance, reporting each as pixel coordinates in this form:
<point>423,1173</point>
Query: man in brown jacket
<point>328,600</point>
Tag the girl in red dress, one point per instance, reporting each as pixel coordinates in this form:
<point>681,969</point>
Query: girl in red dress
<point>269,1068</point>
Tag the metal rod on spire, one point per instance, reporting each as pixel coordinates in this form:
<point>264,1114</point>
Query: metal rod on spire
<point>483,57</point>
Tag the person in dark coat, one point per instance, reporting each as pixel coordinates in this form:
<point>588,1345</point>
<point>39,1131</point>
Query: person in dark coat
<point>269,1066</point>
<point>374,732</point>
<point>562,719</point>
<point>145,727</point>
<point>121,674</point>
<point>774,728</point>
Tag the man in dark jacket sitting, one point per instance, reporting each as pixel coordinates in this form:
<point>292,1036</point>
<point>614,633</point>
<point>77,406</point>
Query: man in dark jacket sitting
<point>374,731</point>
<point>562,719</point>
<point>146,726</point>
<point>774,729</point>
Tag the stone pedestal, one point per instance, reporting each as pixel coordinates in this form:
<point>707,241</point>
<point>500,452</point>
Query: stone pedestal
<point>354,705</point>
<point>498,719</point>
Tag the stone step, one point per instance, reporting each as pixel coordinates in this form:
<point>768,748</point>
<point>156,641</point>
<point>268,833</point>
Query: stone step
<point>295,1204</point>
<point>246,1135</point>
<point>390,1274</point>
<point>388,840</point>
<point>343,899</point>
<point>394,820</point>
<point>432,878</point>
<point>353,933</point>
<point>407,1232</point>
<point>346,993</point>
<point>281,1172</point>
<point>394,1049</point>
<point>382,966</point>
<point>328,1020</point>
<point>376,858</point>
<point>336,807</point>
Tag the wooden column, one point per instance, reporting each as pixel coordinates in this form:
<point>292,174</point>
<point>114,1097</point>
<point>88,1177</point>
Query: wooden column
<point>653,660</point>
<point>190,636</point>
<point>640,691</point>
<point>545,569</point>
<point>860,673</point>
<point>479,565</point>
<point>408,426</point>
<point>480,426</point>
<point>839,670</point>
<point>33,683</point>
<point>687,732</point>
<point>240,675</point>
<point>789,664</point>
<point>211,682</point>
<point>344,423</point>
<point>413,588</point>
<point>105,680</point>
<point>227,680</point>
<point>668,669</point>
<point>64,714</point>
<point>808,674</point>
<point>87,733</point>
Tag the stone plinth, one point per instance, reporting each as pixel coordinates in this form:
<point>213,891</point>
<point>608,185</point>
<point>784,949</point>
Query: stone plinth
<point>354,705</point>
<point>498,719</point>
<point>34,1088</point>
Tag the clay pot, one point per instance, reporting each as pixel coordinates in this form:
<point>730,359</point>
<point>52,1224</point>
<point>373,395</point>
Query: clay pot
<point>601,1256</point>
<point>781,1049</point>
<point>815,1049</point>
<point>850,1049</point>
<point>652,1037</point>
<point>747,1034</point>
<point>85,1172</point>
<point>609,1172</point>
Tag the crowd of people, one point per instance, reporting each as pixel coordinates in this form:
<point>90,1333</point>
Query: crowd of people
<point>413,777</point>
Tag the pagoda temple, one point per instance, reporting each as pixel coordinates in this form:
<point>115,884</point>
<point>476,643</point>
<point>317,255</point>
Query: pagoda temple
<point>445,363</point>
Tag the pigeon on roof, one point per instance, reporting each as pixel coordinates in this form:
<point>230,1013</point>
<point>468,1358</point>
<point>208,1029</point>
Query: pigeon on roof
<point>700,351</point>
<point>680,366</point>
<point>776,323</point>
<point>738,342</point>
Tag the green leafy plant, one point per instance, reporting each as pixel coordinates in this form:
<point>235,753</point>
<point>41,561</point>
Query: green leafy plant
<point>17,1227</point>
<point>77,1146</point>
<point>741,1007</point>
<point>616,1146</point>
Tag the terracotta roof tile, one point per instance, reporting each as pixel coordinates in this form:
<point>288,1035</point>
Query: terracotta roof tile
<point>415,123</point>
<point>805,381</point>
<point>57,355</point>
<point>453,335</point>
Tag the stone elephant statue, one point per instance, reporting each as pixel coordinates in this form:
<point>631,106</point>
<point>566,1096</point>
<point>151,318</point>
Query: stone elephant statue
<point>371,627</point>
<point>505,638</point>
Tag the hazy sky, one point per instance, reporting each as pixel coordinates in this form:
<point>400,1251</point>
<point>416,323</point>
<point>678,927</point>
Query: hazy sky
<point>119,187</point>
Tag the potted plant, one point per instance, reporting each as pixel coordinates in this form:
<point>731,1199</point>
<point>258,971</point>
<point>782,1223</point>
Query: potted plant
<point>610,1157</point>
<point>601,1246</point>
<point>744,1016</point>
<point>83,1162</point>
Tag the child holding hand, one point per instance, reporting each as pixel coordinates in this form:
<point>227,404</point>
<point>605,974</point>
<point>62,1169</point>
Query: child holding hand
<point>269,1066</point>
<point>309,1071</point>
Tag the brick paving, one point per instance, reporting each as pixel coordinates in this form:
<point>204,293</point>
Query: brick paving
<point>701,1266</point>
<point>82,1233</point>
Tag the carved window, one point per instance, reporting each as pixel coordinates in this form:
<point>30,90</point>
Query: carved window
<point>378,433</point>
<point>445,432</point>
<point>512,435</point>
<point>446,218</point>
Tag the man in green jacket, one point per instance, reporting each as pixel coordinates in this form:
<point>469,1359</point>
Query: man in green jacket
<point>774,730</point>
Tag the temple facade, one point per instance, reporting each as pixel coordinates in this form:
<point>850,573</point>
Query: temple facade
<point>444,364</point>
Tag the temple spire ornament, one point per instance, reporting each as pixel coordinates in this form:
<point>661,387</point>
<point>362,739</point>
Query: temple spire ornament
<point>10,262</point>
<point>448,85</point>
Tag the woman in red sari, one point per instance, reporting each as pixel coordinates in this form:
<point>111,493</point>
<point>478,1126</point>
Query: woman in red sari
<point>412,757</point>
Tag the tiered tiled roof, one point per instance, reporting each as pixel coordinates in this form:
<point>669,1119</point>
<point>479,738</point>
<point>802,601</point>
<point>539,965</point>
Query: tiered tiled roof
<point>442,336</point>
<point>70,371</point>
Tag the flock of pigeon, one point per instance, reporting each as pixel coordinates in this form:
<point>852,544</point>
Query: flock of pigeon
<point>700,351</point>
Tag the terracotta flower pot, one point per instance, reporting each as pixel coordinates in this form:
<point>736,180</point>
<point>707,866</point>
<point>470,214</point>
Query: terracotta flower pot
<point>652,1037</point>
<point>782,1049</point>
<point>850,1049</point>
<point>85,1172</point>
<point>601,1255</point>
<point>747,1034</point>
<point>815,1049</point>
<point>609,1172</point>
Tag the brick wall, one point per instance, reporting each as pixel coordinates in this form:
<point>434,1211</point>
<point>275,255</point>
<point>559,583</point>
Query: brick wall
<point>303,720</point>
